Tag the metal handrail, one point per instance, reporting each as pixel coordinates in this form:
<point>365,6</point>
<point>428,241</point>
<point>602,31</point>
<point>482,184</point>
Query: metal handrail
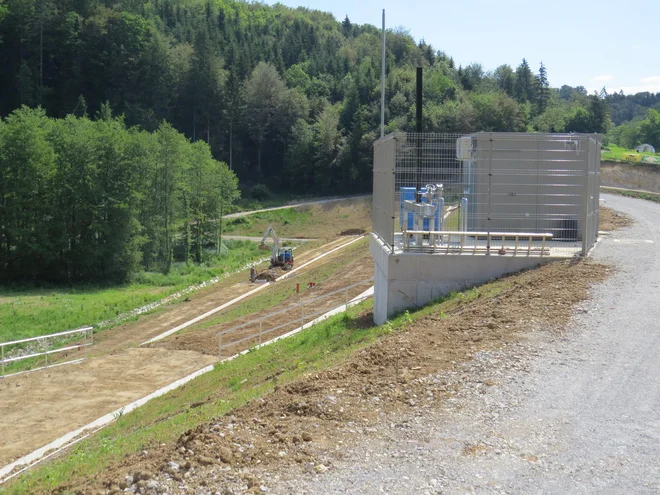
<point>283,325</point>
<point>301,319</point>
<point>464,235</point>
<point>85,331</point>
<point>290,308</point>
<point>50,335</point>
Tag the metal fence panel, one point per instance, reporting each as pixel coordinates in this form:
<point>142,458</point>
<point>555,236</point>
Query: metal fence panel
<point>383,197</point>
<point>518,183</point>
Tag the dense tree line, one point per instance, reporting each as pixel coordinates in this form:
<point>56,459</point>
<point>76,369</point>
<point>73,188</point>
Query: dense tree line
<point>638,131</point>
<point>91,200</point>
<point>293,92</point>
<point>625,108</point>
<point>635,118</point>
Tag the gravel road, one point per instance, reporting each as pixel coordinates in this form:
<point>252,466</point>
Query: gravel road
<point>573,412</point>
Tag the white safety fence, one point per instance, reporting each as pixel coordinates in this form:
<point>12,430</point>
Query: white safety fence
<point>306,311</point>
<point>46,346</point>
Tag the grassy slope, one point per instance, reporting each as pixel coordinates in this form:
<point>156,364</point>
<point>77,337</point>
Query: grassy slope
<point>319,221</point>
<point>27,312</point>
<point>284,289</point>
<point>227,387</point>
<point>616,154</point>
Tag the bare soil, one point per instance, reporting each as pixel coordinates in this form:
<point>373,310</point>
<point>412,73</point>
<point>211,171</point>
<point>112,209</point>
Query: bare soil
<point>308,421</point>
<point>145,328</point>
<point>639,176</point>
<point>39,407</point>
<point>205,340</point>
<point>609,219</point>
<point>325,221</point>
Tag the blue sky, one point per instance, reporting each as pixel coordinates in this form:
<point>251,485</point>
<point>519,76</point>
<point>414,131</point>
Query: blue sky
<point>592,43</point>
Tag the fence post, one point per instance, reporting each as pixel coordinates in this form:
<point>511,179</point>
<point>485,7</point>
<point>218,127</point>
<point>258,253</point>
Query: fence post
<point>45,354</point>
<point>260,323</point>
<point>3,360</point>
<point>490,184</point>
<point>302,314</point>
<point>346,298</point>
<point>585,202</point>
<point>220,347</point>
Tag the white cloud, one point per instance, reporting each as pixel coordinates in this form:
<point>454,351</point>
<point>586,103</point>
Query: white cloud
<point>604,77</point>
<point>651,80</point>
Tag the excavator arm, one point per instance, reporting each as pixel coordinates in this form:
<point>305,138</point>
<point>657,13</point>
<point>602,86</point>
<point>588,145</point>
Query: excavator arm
<point>270,231</point>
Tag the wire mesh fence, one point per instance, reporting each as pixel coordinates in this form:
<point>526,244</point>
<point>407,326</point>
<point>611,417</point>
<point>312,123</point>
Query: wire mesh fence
<point>303,314</point>
<point>496,188</point>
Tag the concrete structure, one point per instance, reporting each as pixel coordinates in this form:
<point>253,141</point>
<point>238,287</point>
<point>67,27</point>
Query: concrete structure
<point>508,201</point>
<point>412,280</point>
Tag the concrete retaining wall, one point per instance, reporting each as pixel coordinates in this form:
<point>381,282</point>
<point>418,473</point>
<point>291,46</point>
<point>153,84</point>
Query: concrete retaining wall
<point>411,280</point>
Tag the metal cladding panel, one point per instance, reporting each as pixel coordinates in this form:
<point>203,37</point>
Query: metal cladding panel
<point>530,182</point>
<point>383,211</point>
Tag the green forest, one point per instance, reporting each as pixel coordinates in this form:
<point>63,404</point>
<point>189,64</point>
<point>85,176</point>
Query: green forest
<point>118,117</point>
<point>91,200</point>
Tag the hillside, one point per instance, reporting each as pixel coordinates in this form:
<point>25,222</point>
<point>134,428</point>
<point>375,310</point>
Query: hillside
<point>295,90</point>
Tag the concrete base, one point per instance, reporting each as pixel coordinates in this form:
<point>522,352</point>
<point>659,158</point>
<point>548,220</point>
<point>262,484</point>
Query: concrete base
<point>412,280</point>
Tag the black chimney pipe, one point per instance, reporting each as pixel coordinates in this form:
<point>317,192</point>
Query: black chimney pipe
<point>419,98</point>
<point>419,130</point>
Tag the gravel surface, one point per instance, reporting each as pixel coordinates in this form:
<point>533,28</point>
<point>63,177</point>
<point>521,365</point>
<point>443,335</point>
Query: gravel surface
<point>572,413</point>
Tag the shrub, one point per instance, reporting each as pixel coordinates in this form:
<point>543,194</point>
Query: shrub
<point>260,192</point>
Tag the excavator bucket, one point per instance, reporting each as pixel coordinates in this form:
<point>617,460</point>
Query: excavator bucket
<point>263,247</point>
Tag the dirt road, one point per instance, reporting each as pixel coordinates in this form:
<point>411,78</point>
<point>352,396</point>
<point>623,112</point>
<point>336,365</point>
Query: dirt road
<point>575,413</point>
<point>296,204</point>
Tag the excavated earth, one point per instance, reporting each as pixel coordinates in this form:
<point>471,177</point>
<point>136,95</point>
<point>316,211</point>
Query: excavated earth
<point>204,339</point>
<point>307,424</point>
<point>39,407</point>
<point>612,220</point>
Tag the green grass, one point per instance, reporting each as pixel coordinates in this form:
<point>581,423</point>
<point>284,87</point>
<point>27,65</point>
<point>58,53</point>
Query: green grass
<point>255,224</point>
<point>280,292</point>
<point>634,194</point>
<point>227,387</point>
<point>613,153</point>
<point>452,221</point>
<point>33,311</point>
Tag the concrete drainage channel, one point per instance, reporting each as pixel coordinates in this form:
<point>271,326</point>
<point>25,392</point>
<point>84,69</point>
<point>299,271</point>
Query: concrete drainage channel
<point>25,463</point>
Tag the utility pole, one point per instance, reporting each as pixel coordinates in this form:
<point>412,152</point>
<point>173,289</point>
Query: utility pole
<point>382,85</point>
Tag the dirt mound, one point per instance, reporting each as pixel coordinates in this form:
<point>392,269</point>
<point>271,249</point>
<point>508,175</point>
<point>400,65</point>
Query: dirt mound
<point>308,422</point>
<point>612,220</point>
<point>353,232</point>
<point>268,275</point>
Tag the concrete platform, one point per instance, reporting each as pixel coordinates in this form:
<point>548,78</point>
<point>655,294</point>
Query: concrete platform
<point>405,280</point>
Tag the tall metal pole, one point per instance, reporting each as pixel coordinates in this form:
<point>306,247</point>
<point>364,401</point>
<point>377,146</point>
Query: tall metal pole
<point>382,85</point>
<point>420,87</point>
